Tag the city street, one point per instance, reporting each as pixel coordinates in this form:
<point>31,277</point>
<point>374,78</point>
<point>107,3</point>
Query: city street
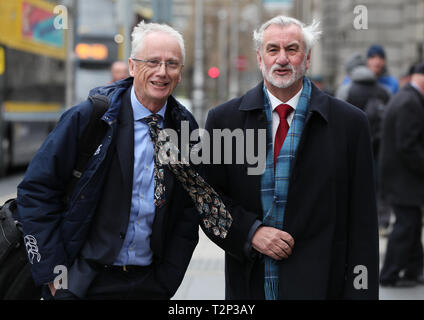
<point>204,279</point>
<point>311,103</point>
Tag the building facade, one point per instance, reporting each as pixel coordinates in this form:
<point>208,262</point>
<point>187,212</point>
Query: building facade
<point>351,26</point>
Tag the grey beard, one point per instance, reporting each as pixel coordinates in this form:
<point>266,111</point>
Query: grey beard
<point>296,75</point>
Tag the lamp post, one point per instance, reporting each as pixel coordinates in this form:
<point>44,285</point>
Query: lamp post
<point>223,58</point>
<point>234,36</point>
<point>198,76</point>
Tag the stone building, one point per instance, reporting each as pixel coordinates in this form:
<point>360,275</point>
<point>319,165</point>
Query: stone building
<point>351,26</point>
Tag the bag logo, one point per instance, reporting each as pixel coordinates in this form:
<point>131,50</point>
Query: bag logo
<point>32,248</point>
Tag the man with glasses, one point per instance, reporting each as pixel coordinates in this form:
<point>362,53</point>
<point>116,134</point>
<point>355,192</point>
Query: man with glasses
<point>129,229</point>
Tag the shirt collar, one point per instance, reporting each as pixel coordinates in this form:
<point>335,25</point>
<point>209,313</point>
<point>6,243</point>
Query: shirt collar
<point>275,102</point>
<point>141,111</point>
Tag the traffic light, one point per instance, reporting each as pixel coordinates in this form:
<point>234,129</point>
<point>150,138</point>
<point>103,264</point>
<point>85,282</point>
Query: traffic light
<point>213,72</point>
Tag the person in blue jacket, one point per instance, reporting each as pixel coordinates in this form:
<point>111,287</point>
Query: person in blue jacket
<point>376,62</point>
<point>110,237</point>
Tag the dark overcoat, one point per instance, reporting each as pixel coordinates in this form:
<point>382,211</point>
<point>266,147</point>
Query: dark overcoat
<point>330,211</point>
<point>402,151</point>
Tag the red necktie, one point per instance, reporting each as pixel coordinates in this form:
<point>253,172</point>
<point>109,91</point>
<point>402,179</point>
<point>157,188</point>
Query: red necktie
<point>283,111</point>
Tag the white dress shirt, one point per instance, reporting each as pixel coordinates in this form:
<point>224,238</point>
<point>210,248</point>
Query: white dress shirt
<point>275,102</point>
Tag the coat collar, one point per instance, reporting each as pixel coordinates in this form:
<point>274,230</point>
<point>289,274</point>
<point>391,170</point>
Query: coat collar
<point>320,103</point>
<point>254,99</point>
<point>410,87</point>
<point>125,139</point>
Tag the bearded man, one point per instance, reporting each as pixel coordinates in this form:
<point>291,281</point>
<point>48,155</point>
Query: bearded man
<point>306,227</point>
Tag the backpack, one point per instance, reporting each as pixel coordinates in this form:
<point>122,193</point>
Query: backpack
<point>16,282</point>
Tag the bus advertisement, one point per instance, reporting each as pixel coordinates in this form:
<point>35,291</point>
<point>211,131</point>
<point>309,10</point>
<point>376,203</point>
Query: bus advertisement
<point>32,78</point>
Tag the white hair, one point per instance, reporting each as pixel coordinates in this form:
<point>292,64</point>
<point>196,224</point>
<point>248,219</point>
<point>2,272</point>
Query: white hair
<point>311,33</point>
<point>143,29</point>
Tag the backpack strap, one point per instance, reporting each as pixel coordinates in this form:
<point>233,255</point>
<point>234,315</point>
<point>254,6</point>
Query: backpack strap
<point>90,139</point>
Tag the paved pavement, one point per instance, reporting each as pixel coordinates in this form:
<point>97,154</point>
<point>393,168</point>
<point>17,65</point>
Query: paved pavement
<point>204,279</point>
<point>416,293</point>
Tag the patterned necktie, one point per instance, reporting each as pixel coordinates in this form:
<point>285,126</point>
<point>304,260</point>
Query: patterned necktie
<point>215,217</point>
<point>283,111</point>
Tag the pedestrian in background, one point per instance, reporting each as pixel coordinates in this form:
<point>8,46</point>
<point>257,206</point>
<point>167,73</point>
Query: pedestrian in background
<point>376,61</point>
<point>406,78</point>
<point>364,92</point>
<point>355,60</point>
<point>402,182</point>
<point>302,227</point>
<point>118,71</point>
<point>318,81</point>
<point>129,228</point>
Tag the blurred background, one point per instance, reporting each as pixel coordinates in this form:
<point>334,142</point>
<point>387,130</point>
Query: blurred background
<point>53,52</point>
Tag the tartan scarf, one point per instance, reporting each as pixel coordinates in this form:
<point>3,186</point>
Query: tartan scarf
<point>274,188</point>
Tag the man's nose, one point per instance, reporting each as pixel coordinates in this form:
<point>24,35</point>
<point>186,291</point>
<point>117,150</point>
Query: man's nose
<point>282,58</point>
<point>162,68</point>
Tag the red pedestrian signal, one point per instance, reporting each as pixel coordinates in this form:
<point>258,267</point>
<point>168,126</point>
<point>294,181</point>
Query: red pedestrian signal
<point>213,72</point>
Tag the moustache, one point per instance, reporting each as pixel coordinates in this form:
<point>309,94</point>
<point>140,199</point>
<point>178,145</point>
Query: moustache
<point>286,67</point>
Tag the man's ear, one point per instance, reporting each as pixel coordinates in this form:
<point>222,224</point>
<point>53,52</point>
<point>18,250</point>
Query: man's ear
<point>259,58</point>
<point>131,66</point>
<point>308,60</point>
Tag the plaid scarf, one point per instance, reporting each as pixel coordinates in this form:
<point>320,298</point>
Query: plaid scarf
<point>274,188</point>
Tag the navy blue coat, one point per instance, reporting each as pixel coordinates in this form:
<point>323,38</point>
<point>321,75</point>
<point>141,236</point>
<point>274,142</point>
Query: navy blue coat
<point>330,211</point>
<point>60,229</point>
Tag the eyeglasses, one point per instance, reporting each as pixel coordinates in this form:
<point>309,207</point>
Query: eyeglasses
<point>154,63</point>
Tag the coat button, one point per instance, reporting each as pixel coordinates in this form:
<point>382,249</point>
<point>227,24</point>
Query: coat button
<point>122,235</point>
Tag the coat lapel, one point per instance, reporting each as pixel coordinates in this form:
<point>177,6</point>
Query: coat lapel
<point>125,141</point>
<point>255,118</point>
<point>169,176</point>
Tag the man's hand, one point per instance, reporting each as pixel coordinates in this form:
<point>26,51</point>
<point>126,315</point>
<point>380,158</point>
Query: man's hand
<point>273,242</point>
<point>52,288</point>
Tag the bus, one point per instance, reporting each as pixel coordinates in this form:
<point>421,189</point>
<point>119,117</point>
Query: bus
<point>32,78</point>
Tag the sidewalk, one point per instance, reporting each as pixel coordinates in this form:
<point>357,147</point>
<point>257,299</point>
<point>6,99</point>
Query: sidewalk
<point>204,279</point>
<point>416,293</point>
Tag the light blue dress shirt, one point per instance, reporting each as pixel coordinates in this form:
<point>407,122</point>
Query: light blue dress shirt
<point>136,247</point>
